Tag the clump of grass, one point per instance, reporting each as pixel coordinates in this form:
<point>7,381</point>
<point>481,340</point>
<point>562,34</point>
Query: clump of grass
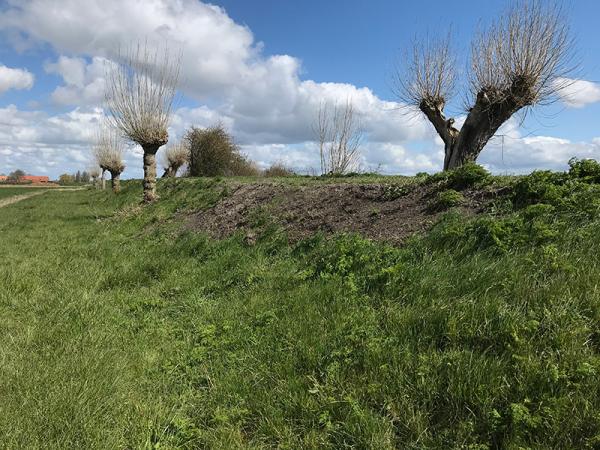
<point>466,176</point>
<point>446,199</point>
<point>394,191</point>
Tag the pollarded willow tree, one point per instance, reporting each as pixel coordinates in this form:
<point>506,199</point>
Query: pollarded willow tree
<point>94,172</point>
<point>521,61</point>
<point>174,157</point>
<point>108,151</point>
<point>139,97</point>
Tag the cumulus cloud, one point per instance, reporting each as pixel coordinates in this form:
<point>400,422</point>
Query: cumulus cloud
<point>11,78</point>
<point>523,155</point>
<point>84,82</point>
<point>51,144</point>
<point>578,93</point>
<point>262,99</point>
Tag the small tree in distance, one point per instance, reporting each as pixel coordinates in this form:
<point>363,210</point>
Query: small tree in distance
<point>213,152</point>
<point>139,97</point>
<point>174,157</point>
<point>108,152</point>
<point>94,172</point>
<point>520,61</point>
<point>339,136</point>
<point>16,176</point>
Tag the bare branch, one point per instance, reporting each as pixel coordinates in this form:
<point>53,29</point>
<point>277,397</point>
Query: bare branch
<point>140,92</point>
<point>108,149</point>
<point>339,135</point>
<point>525,57</point>
<point>175,156</point>
<point>429,73</point>
<point>94,172</point>
<point>428,82</point>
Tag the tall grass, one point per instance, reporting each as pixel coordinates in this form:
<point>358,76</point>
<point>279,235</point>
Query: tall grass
<point>122,330</point>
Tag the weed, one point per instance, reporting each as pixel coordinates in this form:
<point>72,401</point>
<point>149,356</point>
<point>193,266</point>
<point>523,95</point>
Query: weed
<point>446,199</point>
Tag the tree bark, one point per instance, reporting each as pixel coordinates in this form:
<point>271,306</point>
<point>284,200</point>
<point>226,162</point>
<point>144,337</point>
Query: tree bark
<point>103,179</point>
<point>492,108</point>
<point>115,181</point>
<point>150,173</point>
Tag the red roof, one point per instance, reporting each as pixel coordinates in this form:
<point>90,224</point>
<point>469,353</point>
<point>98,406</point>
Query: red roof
<point>35,179</point>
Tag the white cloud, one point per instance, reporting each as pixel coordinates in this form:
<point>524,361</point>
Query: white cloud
<point>262,99</point>
<point>84,82</point>
<point>523,155</point>
<point>11,78</point>
<point>41,144</point>
<point>578,93</point>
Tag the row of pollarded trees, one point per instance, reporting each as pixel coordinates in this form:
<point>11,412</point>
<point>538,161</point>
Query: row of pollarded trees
<point>520,61</point>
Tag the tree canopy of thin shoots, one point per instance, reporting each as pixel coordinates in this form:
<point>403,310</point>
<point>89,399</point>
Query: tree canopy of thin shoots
<point>520,61</point>
<point>108,151</point>
<point>175,156</point>
<point>95,173</point>
<point>339,137</point>
<point>139,97</point>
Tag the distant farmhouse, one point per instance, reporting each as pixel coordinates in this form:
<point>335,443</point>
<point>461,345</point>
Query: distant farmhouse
<point>34,179</point>
<point>26,179</point>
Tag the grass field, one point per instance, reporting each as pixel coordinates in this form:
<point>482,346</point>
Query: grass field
<point>120,328</point>
<point>6,192</point>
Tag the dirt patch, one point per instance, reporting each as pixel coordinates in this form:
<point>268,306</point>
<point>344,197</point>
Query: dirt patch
<point>382,212</point>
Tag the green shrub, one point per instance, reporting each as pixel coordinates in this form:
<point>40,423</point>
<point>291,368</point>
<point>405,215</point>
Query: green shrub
<point>361,264</point>
<point>542,186</point>
<point>588,169</point>
<point>278,170</point>
<point>213,152</point>
<point>468,175</point>
<point>393,191</point>
<point>446,199</point>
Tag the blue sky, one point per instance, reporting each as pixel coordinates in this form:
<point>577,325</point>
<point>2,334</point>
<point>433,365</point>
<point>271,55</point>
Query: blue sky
<point>262,68</point>
<point>358,41</point>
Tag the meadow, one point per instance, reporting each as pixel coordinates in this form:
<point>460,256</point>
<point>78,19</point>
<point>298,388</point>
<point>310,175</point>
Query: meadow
<point>121,327</point>
<point>11,191</point>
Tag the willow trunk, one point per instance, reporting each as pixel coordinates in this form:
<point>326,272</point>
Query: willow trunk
<point>150,173</point>
<point>169,172</point>
<point>115,181</point>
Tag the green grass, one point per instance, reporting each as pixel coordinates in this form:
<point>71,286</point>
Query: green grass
<point>6,192</point>
<point>121,329</point>
<point>305,180</point>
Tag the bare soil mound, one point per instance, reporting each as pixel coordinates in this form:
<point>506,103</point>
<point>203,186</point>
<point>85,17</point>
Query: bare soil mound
<point>382,212</point>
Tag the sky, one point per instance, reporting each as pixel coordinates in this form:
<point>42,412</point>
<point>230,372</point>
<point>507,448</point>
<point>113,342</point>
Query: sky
<point>262,68</point>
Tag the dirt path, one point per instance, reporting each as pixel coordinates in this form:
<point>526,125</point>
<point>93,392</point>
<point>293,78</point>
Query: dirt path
<point>18,198</point>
